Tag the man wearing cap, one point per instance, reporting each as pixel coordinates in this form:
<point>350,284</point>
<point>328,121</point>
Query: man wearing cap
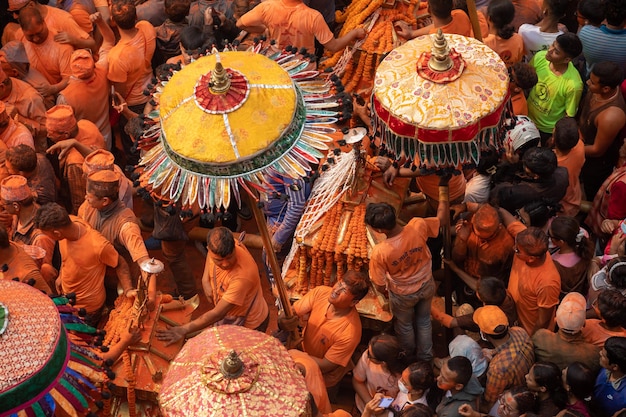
<point>85,255</point>
<point>16,263</point>
<point>534,283</point>
<point>61,22</point>
<point>568,344</point>
<point>15,63</point>
<point>72,141</point>
<point>35,167</point>
<point>130,68</point>
<point>106,213</point>
<point>88,89</point>
<point>12,132</point>
<point>483,246</point>
<point>18,200</point>
<point>104,160</point>
<point>28,104</point>
<point>50,58</point>
<point>512,357</point>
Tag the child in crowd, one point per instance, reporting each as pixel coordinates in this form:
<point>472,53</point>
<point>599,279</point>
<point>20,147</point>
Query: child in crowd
<point>545,380</point>
<point>610,306</point>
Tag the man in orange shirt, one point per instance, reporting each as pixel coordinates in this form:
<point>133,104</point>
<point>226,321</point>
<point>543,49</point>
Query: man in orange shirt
<point>67,31</point>
<point>401,266</point>
<point>291,22</point>
<point>333,329</point>
<point>534,283</point>
<point>444,18</point>
<point>130,69</point>
<point>50,58</point>
<point>89,89</point>
<point>231,280</point>
<point>85,255</point>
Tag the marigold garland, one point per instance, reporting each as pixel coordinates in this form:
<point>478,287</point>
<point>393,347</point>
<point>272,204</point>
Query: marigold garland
<point>119,320</point>
<point>359,75</point>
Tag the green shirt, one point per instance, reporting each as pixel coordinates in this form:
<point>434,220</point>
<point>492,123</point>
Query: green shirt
<point>554,96</point>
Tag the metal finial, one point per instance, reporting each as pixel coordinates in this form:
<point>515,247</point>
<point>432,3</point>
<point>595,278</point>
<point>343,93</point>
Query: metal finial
<point>220,81</point>
<point>440,59</point>
<point>232,366</point>
<point>152,266</point>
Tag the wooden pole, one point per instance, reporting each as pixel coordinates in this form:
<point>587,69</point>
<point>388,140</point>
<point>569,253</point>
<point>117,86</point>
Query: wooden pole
<point>473,15</point>
<point>271,256</point>
<point>295,339</point>
<point>447,254</point>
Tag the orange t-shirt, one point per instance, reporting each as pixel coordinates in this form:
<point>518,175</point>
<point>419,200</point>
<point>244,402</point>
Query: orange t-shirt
<point>240,286</point>
<point>573,161</point>
<point>334,339</point>
<point>533,287</point>
<point>50,58</point>
<point>403,262</point>
<point>596,334</point>
<point>297,26</point>
<point>510,50</point>
<point>83,265</point>
<point>130,67</point>
<point>459,25</point>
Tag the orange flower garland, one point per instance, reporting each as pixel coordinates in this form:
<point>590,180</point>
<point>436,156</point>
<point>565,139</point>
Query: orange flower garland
<point>119,319</point>
<point>359,75</point>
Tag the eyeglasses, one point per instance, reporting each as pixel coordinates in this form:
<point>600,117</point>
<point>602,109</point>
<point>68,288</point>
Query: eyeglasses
<point>506,407</point>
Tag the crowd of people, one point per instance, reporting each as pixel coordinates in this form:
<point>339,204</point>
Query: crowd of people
<point>538,256</point>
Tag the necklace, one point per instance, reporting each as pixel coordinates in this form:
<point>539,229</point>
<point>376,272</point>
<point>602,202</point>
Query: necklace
<point>595,100</point>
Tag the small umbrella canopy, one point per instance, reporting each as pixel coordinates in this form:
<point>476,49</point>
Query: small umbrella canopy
<point>228,120</point>
<point>233,371</point>
<point>440,116</point>
<point>42,371</point>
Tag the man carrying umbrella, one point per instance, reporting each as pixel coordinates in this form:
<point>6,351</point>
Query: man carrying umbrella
<point>333,329</point>
<point>231,280</point>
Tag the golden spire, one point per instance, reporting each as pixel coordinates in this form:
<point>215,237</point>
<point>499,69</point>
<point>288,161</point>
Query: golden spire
<point>220,81</point>
<point>440,59</point>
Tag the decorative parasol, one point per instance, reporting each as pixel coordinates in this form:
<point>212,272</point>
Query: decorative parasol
<point>226,121</point>
<point>438,99</point>
<point>45,370</point>
<point>233,371</point>
<point>229,120</point>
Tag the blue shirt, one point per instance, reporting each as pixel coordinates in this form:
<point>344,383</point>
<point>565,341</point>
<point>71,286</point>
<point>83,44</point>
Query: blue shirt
<point>609,398</point>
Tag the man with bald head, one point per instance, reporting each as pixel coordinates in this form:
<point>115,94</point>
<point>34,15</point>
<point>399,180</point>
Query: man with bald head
<point>66,29</point>
<point>50,58</point>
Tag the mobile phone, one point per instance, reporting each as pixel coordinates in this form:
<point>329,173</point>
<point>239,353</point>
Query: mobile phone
<point>385,402</point>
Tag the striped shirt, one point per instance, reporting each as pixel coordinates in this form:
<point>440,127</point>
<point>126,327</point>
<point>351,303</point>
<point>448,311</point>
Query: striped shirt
<point>603,44</point>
